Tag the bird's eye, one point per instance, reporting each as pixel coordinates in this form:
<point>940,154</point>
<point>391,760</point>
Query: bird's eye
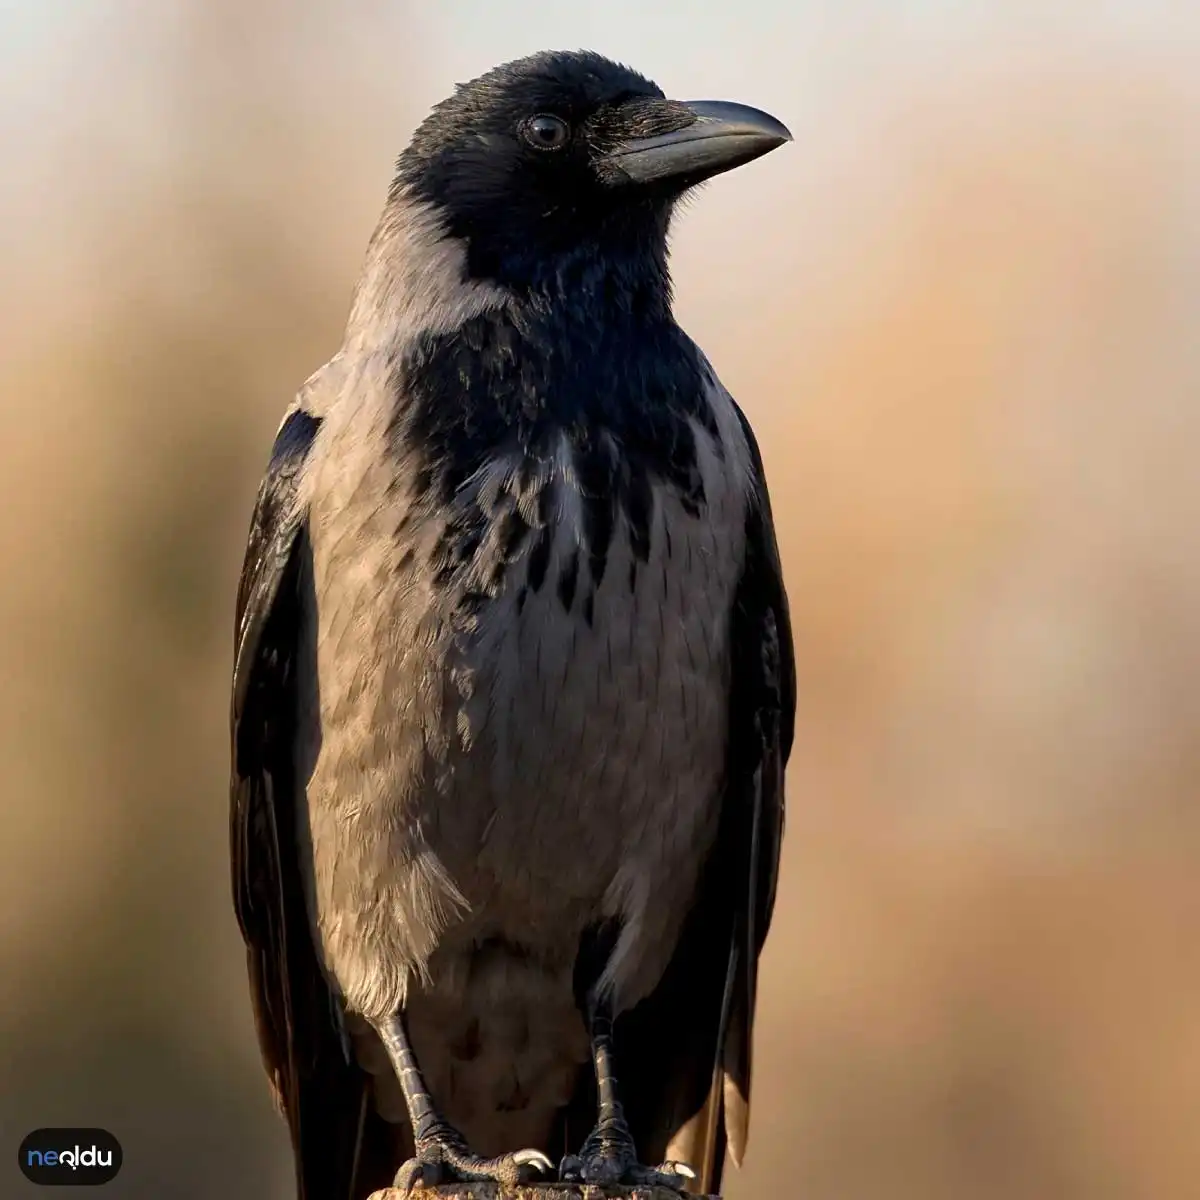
<point>545,132</point>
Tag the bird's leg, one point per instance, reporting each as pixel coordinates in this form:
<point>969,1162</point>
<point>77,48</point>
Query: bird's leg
<point>608,1155</point>
<point>441,1153</point>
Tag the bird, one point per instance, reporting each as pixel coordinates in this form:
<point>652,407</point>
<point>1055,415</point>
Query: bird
<point>514,684</point>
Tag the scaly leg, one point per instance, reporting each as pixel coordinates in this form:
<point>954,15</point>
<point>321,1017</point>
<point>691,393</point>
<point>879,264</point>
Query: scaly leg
<point>608,1156</point>
<point>441,1152</point>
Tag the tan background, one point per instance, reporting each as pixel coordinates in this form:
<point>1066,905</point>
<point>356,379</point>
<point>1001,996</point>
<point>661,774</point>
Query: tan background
<point>963,311</point>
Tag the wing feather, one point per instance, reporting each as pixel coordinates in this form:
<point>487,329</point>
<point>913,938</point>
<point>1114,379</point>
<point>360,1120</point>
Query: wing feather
<point>685,1050</point>
<point>762,712</point>
<point>338,1147</point>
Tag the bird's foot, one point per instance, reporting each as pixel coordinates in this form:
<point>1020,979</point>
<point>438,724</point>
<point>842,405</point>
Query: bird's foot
<point>609,1157</point>
<point>443,1157</point>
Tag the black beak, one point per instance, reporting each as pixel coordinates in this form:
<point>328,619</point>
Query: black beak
<point>721,136</point>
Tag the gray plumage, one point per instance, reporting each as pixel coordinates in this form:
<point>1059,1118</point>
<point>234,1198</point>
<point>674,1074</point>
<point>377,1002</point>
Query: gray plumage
<point>468,755</point>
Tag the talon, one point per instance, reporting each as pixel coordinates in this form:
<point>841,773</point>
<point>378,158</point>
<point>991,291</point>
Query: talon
<point>416,1175</point>
<point>570,1170</point>
<point>533,1158</point>
<point>677,1168</point>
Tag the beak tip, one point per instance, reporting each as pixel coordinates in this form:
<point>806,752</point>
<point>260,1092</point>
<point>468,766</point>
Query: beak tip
<point>743,120</point>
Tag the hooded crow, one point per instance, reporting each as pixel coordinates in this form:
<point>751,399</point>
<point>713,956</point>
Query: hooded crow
<point>513,688</point>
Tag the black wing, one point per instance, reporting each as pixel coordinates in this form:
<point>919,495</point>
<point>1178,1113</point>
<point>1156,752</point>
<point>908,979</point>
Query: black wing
<point>323,1096</point>
<point>684,1053</point>
<point>763,716</point>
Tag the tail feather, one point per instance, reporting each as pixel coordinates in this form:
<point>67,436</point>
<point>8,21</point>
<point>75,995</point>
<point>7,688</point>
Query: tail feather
<point>701,1142</point>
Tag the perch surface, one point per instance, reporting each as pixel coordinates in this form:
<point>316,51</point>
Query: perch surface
<point>535,1191</point>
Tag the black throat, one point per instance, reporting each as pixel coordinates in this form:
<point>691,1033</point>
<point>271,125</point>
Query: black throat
<point>611,374</point>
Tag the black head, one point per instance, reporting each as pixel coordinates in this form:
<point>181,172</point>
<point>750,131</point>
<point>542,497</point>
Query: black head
<point>551,160</point>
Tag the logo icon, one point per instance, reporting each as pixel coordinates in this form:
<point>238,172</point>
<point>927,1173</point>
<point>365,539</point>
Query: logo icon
<point>76,1157</point>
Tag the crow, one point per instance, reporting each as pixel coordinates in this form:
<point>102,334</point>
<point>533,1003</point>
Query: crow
<point>513,689</point>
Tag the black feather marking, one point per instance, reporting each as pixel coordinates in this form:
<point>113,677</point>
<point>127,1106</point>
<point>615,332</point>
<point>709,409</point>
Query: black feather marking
<point>597,469</point>
<point>708,422</point>
<point>639,508</point>
<point>589,609</point>
<point>471,602</point>
<point>539,558</point>
<point>567,581</point>
<point>684,470</point>
<point>294,440</point>
<point>422,482</point>
<point>622,394</point>
<point>458,544</point>
<point>513,531</point>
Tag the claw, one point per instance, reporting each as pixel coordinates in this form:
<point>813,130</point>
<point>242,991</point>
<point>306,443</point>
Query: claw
<point>670,1175</point>
<point>438,1163</point>
<point>533,1158</point>
<point>676,1168</point>
<point>604,1170</point>
<point>415,1175</point>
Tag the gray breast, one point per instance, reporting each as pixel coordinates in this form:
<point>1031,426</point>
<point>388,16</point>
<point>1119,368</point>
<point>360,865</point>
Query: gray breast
<point>515,748</point>
<point>593,714</point>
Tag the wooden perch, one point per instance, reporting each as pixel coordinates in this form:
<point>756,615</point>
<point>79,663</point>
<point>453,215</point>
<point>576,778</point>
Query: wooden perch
<point>538,1191</point>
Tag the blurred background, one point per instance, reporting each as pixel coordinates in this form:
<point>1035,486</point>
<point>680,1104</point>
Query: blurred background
<point>962,311</point>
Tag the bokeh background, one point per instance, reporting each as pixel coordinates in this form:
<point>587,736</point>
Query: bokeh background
<point>963,311</point>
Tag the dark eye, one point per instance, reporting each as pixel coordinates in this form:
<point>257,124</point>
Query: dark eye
<point>545,132</point>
